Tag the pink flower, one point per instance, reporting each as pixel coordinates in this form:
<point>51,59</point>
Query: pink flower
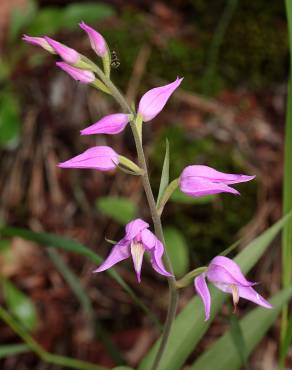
<point>136,241</point>
<point>69,55</point>
<point>111,124</point>
<point>78,74</point>
<point>97,41</point>
<point>199,180</point>
<point>39,41</point>
<point>102,158</point>
<point>154,100</point>
<point>226,275</point>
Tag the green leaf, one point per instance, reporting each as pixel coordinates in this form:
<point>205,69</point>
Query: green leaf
<point>164,174</point>
<point>179,197</point>
<point>87,12</point>
<point>223,355</point>
<point>189,325</point>
<point>55,241</point>
<point>74,283</point>
<point>20,305</point>
<point>122,368</point>
<point>287,200</point>
<point>9,119</point>
<point>7,350</point>
<point>48,21</point>
<point>122,210</point>
<point>238,339</point>
<point>177,250</point>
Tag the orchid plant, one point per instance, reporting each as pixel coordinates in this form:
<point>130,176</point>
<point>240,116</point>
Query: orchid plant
<point>196,180</point>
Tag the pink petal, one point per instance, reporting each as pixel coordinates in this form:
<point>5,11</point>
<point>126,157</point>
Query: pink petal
<point>154,100</point>
<point>80,75</point>
<point>250,294</point>
<point>111,124</point>
<point>148,239</point>
<point>39,41</point>
<point>210,173</point>
<point>119,252</point>
<point>134,228</point>
<point>101,158</point>
<point>97,41</point>
<point>156,258</point>
<point>203,291</point>
<point>69,55</point>
<point>225,270</point>
<point>198,187</point>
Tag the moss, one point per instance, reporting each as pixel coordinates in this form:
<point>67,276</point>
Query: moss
<point>254,51</point>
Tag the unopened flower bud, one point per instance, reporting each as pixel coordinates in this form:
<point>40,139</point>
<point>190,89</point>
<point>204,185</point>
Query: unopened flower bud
<point>39,41</point>
<point>69,55</point>
<point>80,75</point>
<point>155,99</point>
<point>97,41</point>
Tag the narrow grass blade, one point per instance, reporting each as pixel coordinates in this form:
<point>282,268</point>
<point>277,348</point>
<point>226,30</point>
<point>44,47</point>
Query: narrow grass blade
<point>80,293</point>
<point>223,355</point>
<point>212,58</point>
<point>189,325</point>
<point>7,350</point>
<point>20,304</point>
<point>164,174</point>
<point>55,241</point>
<point>66,362</point>
<point>238,339</point>
<point>287,197</point>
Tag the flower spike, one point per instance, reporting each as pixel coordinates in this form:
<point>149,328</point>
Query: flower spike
<point>226,275</point>
<point>198,181</point>
<point>154,100</point>
<point>137,240</point>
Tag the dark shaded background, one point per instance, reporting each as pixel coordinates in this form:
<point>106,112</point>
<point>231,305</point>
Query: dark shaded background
<point>229,113</point>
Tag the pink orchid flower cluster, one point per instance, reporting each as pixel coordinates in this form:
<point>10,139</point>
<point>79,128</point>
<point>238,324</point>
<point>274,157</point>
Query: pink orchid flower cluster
<point>194,181</point>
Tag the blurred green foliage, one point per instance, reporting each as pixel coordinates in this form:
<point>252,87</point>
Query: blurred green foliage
<point>19,304</point>
<point>120,209</point>
<point>177,250</point>
<point>9,118</point>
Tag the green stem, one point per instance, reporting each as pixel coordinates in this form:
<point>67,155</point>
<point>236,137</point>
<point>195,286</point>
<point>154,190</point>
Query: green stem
<point>184,281</point>
<point>173,294</point>
<point>40,352</point>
